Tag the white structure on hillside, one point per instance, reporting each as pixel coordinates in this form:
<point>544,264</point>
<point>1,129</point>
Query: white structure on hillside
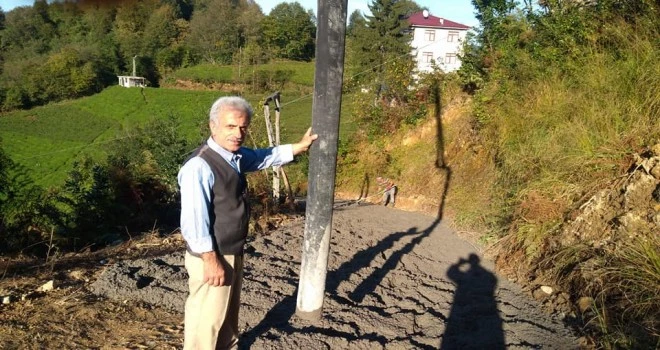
<point>436,39</point>
<point>132,80</point>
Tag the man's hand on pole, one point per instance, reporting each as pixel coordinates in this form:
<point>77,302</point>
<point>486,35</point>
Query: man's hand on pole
<point>305,142</point>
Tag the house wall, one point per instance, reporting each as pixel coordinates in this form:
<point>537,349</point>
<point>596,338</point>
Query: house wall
<point>439,46</point>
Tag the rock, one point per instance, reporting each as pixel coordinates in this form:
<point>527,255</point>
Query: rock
<point>656,149</point>
<point>655,171</point>
<point>48,286</point>
<point>585,303</point>
<point>547,290</point>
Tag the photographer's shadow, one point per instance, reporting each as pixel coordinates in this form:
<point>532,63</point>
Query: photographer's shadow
<point>474,321</point>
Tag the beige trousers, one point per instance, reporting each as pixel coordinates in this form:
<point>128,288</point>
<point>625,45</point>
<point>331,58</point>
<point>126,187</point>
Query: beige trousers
<point>211,313</point>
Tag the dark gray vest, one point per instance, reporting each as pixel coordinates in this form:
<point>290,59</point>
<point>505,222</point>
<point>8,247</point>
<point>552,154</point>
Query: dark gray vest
<point>230,211</point>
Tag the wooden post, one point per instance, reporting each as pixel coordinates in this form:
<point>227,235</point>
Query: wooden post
<point>271,143</point>
<point>330,40</point>
<point>277,169</point>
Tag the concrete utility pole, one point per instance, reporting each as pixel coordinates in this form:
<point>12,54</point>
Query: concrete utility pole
<point>330,39</point>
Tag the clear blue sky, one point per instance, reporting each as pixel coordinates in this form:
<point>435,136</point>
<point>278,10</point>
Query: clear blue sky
<point>460,11</point>
<point>10,4</point>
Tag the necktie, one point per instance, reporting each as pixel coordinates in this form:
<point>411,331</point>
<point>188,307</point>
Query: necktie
<point>234,163</point>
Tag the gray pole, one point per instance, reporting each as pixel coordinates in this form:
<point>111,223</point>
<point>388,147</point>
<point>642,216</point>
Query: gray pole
<point>330,38</point>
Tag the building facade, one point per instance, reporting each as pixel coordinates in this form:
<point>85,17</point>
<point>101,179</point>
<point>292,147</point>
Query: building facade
<point>436,40</point>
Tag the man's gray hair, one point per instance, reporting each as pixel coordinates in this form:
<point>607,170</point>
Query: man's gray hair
<point>229,102</point>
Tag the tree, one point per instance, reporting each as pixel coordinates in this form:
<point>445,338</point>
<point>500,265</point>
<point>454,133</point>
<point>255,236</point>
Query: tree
<point>355,20</point>
<point>160,31</point>
<point>379,59</point>
<point>381,38</point>
<point>130,21</point>
<point>289,32</point>
<point>2,19</point>
<point>218,29</point>
<point>492,14</point>
<point>28,31</point>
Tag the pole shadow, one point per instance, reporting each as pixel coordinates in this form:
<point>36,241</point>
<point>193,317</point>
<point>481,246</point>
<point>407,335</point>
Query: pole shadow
<point>279,316</point>
<point>474,321</point>
<point>440,162</point>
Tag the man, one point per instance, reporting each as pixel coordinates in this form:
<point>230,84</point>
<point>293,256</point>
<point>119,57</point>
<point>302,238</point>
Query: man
<point>388,188</point>
<point>214,221</point>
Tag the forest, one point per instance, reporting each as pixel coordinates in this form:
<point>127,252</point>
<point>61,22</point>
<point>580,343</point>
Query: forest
<point>64,50</point>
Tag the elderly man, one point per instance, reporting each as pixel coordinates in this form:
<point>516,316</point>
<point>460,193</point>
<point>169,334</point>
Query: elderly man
<point>214,221</point>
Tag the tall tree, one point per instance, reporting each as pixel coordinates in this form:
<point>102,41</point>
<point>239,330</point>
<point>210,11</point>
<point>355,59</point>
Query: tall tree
<point>29,29</point>
<point>130,21</point>
<point>160,30</point>
<point>380,39</point>
<point>215,31</point>
<point>355,20</point>
<point>289,32</point>
<point>492,14</point>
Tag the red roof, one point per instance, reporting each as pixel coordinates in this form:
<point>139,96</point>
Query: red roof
<point>418,20</point>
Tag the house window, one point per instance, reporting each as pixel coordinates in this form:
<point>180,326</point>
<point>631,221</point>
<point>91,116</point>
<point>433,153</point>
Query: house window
<point>427,57</point>
<point>452,37</point>
<point>450,58</point>
<point>429,35</point>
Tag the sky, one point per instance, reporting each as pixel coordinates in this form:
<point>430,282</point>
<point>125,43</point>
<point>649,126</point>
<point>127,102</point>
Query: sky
<point>460,11</point>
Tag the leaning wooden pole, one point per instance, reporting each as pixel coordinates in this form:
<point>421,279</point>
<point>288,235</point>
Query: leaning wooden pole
<point>330,39</point>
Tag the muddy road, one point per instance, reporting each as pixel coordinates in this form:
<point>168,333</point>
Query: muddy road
<point>396,280</point>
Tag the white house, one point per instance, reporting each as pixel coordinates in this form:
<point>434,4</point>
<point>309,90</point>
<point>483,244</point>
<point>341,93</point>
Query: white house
<point>436,39</point>
<point>132,80</point>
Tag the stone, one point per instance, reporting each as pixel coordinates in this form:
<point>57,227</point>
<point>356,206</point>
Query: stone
<point>48,286</point>
<point>547,290</point>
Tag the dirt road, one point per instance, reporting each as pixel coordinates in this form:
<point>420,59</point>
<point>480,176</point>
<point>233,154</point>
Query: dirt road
<point>396,280</point>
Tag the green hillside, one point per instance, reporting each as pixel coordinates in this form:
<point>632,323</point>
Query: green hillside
<point>45,141</point>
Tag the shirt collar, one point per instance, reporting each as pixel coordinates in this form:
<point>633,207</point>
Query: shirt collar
<point>226,155</point>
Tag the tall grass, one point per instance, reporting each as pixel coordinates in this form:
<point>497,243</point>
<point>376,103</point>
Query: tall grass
<point>559,134</point>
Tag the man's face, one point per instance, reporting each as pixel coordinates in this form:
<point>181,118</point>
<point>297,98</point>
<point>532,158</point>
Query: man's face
<point>230,129</point>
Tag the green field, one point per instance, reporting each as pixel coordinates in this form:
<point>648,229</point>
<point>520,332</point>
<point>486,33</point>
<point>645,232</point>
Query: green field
<point>45,141</point>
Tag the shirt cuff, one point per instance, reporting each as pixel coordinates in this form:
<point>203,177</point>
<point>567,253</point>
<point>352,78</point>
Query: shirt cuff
<point>286,154</point>
<point>200,245</point>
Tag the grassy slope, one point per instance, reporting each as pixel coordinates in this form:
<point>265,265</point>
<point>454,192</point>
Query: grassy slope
<point>45,141</point>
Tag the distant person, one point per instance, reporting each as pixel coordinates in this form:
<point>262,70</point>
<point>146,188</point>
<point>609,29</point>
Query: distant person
<point>388,188</point>
<point>214,221</point>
